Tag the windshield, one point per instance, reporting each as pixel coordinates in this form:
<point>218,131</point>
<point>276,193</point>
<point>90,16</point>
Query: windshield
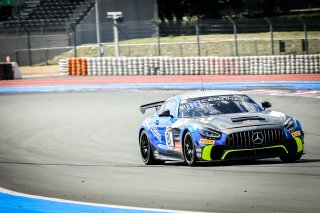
<point>207,106</point>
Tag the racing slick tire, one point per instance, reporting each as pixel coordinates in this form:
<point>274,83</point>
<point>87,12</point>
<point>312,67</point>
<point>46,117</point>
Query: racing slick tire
<point>189,150</point>
<point>146,150</point>
<point>290,158</point>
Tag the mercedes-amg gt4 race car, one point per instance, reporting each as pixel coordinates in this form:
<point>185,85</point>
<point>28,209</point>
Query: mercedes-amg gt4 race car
<point>217,126</point>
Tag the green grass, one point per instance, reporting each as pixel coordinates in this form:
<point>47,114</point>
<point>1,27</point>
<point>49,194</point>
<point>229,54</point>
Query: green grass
<point>211,45</point>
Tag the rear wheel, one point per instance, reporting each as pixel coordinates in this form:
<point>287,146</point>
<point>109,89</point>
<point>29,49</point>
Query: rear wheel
<point>146,150</point>
<point>189,151</point>
<point>290,158</point>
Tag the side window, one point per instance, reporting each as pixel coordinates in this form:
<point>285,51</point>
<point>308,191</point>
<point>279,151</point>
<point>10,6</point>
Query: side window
<point>171,105</point>
<point>161,108</point>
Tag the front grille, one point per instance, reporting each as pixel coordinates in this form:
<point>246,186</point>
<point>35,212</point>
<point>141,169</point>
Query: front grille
<point>247,138</point>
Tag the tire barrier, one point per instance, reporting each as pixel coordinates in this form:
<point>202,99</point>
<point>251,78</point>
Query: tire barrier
<point>63,68</point>
<point>76,66</point>
<point>246,65</point>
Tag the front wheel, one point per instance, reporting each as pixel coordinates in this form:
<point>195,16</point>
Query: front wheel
<point>290,158</point>
<point>189,151</point>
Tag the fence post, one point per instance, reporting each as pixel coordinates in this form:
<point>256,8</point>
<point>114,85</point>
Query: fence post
<point>235,36</point>
<point>100,53</point>
<point>17,56</point>
<point>271,34</point>
<point>74,41</point>
<point>306,46</point>
<point>46,55</point>
<point>198,37</point>
<point>29,45</point>
<point>158,39</point>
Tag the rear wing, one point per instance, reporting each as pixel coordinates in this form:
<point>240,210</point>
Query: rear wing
<point>151,105</point>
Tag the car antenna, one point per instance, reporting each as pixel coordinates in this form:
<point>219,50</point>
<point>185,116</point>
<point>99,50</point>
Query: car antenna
<point>202,87</point>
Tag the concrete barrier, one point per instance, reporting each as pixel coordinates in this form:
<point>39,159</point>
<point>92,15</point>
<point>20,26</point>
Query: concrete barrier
<point>9,71</point>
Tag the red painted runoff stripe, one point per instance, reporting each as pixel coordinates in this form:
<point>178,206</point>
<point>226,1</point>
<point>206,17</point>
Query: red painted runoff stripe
<point>78,80</point>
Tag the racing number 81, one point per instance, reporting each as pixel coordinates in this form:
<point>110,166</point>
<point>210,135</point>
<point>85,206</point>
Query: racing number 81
<point>169,138</point>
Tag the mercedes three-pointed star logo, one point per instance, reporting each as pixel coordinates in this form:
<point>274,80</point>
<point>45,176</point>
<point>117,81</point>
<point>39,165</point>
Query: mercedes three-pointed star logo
<point>257,138</point>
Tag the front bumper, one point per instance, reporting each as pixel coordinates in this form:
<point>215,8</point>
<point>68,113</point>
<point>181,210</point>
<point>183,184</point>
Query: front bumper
<point>213,152</point>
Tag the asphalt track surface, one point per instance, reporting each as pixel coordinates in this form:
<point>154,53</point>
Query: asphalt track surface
<point>83,146</point>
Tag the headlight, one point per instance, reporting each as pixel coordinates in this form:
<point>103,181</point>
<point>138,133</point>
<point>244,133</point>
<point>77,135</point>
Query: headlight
<point>209,133</point>
<point>290,125</point>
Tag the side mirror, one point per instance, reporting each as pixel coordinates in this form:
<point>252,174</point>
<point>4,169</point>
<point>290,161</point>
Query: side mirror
<point>165,113</point>
<point>266,104</point>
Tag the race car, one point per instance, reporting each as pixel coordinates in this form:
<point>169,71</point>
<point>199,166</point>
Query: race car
<point>217,126</point>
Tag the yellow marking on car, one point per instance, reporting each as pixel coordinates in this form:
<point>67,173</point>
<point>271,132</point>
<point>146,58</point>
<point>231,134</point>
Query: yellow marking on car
<point>206,152</point>
<point>299,144</point>
<point>207,141</point>
<point>296,134</point>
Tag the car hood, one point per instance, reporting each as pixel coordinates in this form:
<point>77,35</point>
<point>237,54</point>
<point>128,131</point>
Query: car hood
<point>230,121</point>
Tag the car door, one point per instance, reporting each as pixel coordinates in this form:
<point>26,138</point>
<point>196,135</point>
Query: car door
<point>164,124</point>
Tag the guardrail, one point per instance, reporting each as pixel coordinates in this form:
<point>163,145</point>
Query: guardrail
<point>247,65</point>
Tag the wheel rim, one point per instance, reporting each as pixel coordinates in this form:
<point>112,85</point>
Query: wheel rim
<point>188,149</point>
<point>144,147</point>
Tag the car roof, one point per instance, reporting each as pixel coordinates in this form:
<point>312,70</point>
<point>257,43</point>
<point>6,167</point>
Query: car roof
<point>207,93</point>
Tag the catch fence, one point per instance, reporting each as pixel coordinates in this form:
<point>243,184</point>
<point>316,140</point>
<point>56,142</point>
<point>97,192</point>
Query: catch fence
<point>223,38</point>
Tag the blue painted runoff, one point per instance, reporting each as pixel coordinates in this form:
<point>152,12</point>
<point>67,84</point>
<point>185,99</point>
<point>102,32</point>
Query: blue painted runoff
<point>16,204</point>
<point>288,85</point>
